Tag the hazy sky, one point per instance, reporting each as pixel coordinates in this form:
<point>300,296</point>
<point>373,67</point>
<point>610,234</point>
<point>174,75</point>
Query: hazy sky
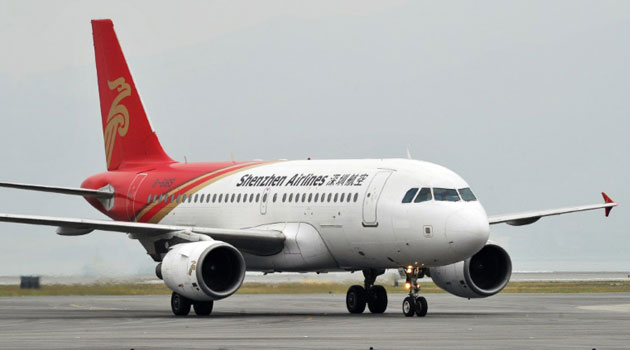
<point>528,101</point>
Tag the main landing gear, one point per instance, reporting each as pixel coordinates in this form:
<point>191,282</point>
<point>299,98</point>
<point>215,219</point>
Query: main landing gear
<point>181,306</point>
<point>374,296</point>
<point>414,304</point>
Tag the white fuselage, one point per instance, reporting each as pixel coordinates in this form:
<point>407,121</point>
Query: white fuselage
<point>361,222</point>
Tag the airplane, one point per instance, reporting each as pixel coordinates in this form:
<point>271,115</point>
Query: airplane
<point>206,224</point>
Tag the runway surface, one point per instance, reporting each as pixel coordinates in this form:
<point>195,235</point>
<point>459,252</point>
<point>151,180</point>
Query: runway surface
<point>320,321</point>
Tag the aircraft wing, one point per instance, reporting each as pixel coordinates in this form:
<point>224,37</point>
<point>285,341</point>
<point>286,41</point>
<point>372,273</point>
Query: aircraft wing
<point>526,218</point>
<point>102,194</point>
<point>263,242</point>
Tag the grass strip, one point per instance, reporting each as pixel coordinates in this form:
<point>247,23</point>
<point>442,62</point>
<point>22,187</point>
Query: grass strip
<point>307,288</point>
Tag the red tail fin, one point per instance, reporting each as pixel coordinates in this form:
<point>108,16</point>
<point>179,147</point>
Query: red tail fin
<point>129,136</point>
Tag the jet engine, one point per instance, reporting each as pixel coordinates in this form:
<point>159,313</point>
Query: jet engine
<point>484,274</point>
<point>203,271</point>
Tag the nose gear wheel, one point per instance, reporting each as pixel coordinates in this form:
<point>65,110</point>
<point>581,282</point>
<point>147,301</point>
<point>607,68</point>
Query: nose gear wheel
<point>414,304</point>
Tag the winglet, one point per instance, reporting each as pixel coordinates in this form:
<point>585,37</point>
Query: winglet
<point>608,200</point>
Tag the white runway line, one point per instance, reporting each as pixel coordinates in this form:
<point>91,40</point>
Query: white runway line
<point>612,307</point>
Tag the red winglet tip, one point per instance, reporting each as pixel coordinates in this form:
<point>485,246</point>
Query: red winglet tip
<point>608,200</point>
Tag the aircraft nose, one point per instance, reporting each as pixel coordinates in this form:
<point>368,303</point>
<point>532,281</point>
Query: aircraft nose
<point>467,231</point>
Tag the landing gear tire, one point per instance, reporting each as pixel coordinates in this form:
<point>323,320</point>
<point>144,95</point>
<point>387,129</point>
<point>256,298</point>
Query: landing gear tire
<point>421,306</point>
<point>180,304</point>
<point>355,299</point>
<point>409,307</point>
<point>377,299</point>
<point>203,308</point>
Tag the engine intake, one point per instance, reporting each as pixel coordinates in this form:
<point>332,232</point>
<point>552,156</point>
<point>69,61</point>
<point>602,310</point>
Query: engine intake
<point>484,274</point>
<point>203,271</point>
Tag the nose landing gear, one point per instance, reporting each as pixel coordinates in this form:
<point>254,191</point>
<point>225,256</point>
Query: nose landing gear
<point>414,304</point>
<point>374,296</point>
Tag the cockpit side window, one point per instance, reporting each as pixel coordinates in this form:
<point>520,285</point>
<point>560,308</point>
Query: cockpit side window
<point>409,195</point>
<point>445,194</point>
<point>424,195</point>
<point>467,194</point>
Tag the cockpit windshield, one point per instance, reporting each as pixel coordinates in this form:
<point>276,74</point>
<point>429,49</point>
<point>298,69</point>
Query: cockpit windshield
<point>409,195</point>
<point>423,196</point>
<point>467,194</point>
<point>445,194</point>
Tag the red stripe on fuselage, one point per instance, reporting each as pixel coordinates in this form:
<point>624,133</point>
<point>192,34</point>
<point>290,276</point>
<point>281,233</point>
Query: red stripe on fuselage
<point>150,212</point>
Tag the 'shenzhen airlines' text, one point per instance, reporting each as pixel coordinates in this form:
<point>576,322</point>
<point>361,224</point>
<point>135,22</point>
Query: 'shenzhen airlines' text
<point>303,180</point>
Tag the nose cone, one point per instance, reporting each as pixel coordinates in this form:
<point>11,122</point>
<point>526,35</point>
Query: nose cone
<point>467,231</point>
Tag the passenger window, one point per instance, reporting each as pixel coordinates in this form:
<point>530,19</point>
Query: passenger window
<point>336,196</point>
<point>316,197</point>
<point>196,196</point>
<point>275,196</point>
<point>251,197</point>
<point>183,197</point>
<point>284,198</point>
<point>310,196</point>
<point>329,196</point>
<point>149,199</point>
<point>220,197</point>
<point>290,197</point>
<point>264,197</point>
<point>349,197</point>
<point>356,197</point>
<point>467,194</point>
<point>232,198</point>
<point>201,198</point>
<point>214,198</point>
<point>409,195</point>
<point>323,198</point>
<point>257,197</point>
<point>238,198</point>
<point>303,197</point>
<point>445,194</point>
<point>343,196</point>
<point>424,195</point>
<point>165,197</point>
<point>297,197</point>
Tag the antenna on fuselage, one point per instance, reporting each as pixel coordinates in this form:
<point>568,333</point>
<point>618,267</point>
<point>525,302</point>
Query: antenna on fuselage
<point>409,154</point>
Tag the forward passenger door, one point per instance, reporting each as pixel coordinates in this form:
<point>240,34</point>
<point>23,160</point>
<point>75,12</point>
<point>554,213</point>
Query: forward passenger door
<point>370,199</point>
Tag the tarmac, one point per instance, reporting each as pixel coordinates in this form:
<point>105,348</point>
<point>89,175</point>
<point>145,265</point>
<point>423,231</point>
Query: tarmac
<point>318,321</point>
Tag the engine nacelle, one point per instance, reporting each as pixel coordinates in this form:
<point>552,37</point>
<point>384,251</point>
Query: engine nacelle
<point>203,271</point>
<point>484,274</point>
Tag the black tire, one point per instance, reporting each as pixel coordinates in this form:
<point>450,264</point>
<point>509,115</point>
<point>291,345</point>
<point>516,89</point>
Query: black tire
<point>421,306</point>
<point>180,304</point>
<point>409,307</point>
<point>356,299</point>
<point>378,300</point>
<point>203,308</point>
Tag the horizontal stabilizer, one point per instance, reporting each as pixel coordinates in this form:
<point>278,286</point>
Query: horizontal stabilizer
<point>101,194</point>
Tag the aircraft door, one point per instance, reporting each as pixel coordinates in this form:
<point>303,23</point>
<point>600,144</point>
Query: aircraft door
<point>370,200</point>
<point>263,201</point>
<point>132,204</point>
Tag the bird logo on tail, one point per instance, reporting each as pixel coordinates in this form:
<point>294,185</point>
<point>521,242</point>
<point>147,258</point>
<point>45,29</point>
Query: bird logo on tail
<point>118,117</point>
